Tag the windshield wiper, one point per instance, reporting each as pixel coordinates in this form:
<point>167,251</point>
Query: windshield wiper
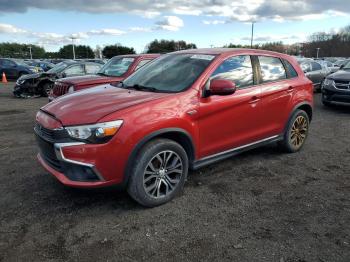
<point>102,74</point>
<point>140,87</point>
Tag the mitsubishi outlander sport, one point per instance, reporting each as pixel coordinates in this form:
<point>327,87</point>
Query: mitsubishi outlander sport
<point>184,110</point>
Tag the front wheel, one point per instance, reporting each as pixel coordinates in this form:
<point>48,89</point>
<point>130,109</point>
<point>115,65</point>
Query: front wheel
<point>296,132</point>
<point>46,89</point>
<point>159,173</point>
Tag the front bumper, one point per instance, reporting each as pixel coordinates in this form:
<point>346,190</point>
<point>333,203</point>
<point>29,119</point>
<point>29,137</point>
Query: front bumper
<point>333,94</point>
<point>75,164</point>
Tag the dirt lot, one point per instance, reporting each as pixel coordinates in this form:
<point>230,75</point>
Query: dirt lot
<point>259,206</point>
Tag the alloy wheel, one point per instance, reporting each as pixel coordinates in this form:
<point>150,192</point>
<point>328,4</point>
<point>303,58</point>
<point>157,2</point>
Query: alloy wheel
<point>299,131</point>
<point>162,174</point>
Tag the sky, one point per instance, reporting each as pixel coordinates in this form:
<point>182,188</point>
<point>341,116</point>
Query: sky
<point>135,23</point>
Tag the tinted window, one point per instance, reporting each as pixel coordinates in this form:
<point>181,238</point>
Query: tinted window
<point>92,68</point>
<point>170,73</point>
<point>74,70</point>
<point>316,66</point>
<point>272,69</point>
<point>238,69</point>
<point>290,69</point>
<point>8,63</point>
<point>142,63</point>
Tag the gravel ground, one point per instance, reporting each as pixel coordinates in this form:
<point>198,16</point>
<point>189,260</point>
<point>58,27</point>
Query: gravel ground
<point>259,206</point>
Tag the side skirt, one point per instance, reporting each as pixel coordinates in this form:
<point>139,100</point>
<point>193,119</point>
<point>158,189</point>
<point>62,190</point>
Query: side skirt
<point>234,151</point>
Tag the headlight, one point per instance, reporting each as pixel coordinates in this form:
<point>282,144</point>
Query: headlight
<point>20,82</point>
<point>328,82</point>
<point>70,89</point>
<point>98,133</point>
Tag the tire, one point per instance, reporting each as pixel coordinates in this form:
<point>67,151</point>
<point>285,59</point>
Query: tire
<point>151,183</point>
<point>296,132</point>
<point>46,89</point>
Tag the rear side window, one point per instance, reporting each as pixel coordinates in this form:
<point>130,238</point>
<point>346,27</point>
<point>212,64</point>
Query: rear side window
<point>272,69</point>
<point>315,66</point>
<point>290,69</point>
<point>92,68</point>
<point>238,69</point>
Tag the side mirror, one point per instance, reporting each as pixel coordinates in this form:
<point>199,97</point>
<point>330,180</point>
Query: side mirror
<point>341,67</point>
<point>64,75</point>
<point>221,87</point>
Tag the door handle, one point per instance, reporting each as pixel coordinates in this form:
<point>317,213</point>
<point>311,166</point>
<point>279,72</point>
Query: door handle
<point>254,100</point>
<point>290,89</point>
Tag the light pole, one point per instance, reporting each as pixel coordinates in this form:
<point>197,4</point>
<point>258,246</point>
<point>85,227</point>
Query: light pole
<point>252,37</point>
<point>30,52</point>
<point>73,38</point>
<point>318,50</point>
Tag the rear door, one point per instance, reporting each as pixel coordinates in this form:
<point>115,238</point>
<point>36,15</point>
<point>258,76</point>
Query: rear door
<point>277,88</point>
<point>315,74</point>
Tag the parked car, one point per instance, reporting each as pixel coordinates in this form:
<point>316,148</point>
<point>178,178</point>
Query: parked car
<point>329,66</point>
<point>336,87</point>
<point>184,110</point>
<point>315,71</point>
<point>43,65</point>
<point>42,83</point>
<point>14,68</point>
<point>115,70</point>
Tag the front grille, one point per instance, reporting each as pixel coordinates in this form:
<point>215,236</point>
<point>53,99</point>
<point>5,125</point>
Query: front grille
<point>340,84</point>
<point>47,152</point>
<point>50,135</point>
<point>60,89</point>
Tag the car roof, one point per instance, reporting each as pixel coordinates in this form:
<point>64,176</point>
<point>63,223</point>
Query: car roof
<point>228,51</point>
<point>139,55</point>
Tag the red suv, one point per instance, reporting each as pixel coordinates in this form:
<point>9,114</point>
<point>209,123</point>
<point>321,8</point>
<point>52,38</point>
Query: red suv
<point>184,110</point>
<point>115,70</point>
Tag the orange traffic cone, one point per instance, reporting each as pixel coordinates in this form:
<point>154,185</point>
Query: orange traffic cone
<point>4,79</point>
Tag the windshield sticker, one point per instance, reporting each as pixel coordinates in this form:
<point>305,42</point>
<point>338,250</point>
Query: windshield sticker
<point>203,57</point>
<point>128,59</point>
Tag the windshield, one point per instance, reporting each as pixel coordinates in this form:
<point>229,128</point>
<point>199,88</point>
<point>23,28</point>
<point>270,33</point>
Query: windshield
<point>116,66</point>
<point>170,73</point>
<point>58,68</point>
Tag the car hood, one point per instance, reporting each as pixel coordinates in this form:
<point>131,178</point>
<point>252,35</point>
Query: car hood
<point>341,75</point>
<point>90,80</point>
<point>90,105</point>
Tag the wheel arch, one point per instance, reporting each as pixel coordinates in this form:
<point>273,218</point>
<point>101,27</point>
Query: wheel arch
<point>305,107</point>
<point>178,135</point>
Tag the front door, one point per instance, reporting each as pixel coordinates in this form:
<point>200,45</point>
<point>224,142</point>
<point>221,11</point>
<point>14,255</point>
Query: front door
<point>233,120</point>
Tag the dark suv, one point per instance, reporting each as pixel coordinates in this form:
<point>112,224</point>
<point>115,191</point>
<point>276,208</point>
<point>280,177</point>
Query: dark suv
<point>184,110</point>
<point>336,87</point>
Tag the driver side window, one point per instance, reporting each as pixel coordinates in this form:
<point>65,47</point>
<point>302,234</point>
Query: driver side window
<point>74,70</point>
<point>237,69</point>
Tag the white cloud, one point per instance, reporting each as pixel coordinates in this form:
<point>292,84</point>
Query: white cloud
<point>140,29</point>
<point>213,22</point>
<point>10,29</point>
<point>107,31</point>
<point>170,23</point>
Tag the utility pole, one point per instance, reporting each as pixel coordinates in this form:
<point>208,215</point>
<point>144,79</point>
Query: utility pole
<point>73,38</point>
<point>30,52</point>
<point>252,37</point>
<point>318,50</point>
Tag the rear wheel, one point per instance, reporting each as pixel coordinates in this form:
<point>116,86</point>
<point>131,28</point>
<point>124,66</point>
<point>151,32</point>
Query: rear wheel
<point>296,132</point>
<point>159,173</point>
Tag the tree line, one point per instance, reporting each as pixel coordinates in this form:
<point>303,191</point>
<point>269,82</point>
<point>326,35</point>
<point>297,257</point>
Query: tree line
<point>329,44</point>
